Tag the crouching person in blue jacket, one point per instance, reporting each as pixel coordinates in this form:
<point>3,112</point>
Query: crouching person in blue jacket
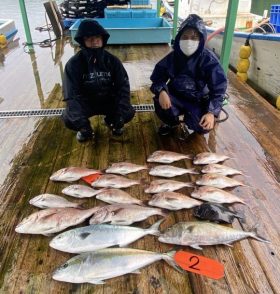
<point>189,81</point>
<point>95,83</point>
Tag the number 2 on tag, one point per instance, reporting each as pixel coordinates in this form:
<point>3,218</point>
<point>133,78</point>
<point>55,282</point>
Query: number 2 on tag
<point>199,264</point>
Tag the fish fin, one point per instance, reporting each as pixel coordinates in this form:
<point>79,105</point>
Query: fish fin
<point>190,156</point>
<point>228,244</point>
<point>196,246</point>
<point>154,229</point>
<point>96,282</point>
<point>255,235</point>
<point>137,272</point>
<point>169,258</point>
<point>120,222</point>
<point>190,184</point>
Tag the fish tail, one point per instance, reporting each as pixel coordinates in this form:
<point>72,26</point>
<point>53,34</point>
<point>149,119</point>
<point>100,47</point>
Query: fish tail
<point>169,258</point>
<point>190,184</point>
<point>194,171</point>
<point>255,235</point>
<point>154,229</point>
<point>189,156</point>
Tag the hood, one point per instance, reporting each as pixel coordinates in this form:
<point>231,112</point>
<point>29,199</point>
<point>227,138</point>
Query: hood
<point>196,22</point>
<point>88,28</point>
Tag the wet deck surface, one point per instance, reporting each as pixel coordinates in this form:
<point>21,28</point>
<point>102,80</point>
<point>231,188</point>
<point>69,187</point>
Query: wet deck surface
<point>251,137</point>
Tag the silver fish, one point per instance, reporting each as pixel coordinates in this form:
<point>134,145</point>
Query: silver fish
<point>95,267</point>
<point>117,196</point>
<point>173,201</point>
<point>170,171</point>
<point>215,168</point>
<point>53,220</point>
<point>159,186</point>
<point>124,214</point>
<point>195,234</point>
<point>71,174</point>
<point>95,237</point>
<point>209,157</point>
<point>167,156</point>
<point>212,194</point>
<point>124,168</point>
<point>51,201</point>
<point>80,191</point>
<point>215,212</point>
<point>113,181</point>
<point>218,181</point>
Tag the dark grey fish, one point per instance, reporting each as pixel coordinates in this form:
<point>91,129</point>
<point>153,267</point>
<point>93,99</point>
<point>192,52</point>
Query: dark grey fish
<point>215,212</point>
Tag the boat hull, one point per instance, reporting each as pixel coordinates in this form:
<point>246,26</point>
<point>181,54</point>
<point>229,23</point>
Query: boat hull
<point>8,29</point>
<point>264,71</point>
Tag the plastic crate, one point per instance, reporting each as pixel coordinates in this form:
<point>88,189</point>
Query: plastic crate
<point>117,13</point>
<point>132,31</point>
<point>139,2</point>
<point>275,17</point>
<point>143,13</point>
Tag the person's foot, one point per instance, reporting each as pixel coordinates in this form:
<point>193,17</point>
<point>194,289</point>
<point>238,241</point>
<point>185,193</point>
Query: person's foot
<point>165,130</point>
<point>83,136</point>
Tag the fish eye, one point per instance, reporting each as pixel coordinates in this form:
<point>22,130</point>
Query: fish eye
<point>65,265</point>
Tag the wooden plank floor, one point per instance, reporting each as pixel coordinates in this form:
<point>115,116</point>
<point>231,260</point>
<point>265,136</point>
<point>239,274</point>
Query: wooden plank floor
<point>251,136</point>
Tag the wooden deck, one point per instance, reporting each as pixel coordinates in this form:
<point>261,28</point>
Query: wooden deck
<point>251,136</point>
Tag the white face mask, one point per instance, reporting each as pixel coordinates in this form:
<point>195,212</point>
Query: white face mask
<point>188,47</point>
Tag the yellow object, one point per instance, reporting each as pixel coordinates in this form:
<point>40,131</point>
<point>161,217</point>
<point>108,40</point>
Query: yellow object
<point>245,51</point>
<point>242,76</point>
<point>243,65</point>
<point>162,10</point>
<point>278,102</point>
<point>3,41</point>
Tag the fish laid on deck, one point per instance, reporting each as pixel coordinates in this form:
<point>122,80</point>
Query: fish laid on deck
<point>212,194</point>
<point>95,267</point>
<point>215,168</point>
<point>80,191</point>
<point>195,234</point>
<point>71,174</point>
<point>218,181</point>
<point>170,171</point>
<point>173,201</point>
<point>124,168</point>
<point>52,201</point>
<point>209,157</point>
<point>53,220</point>
<point>117,196</point>
<point>113,181</point>
<point>215,212</point>
<point>95,237</point>
<point>167,156</point>
<point>124,214</point>
<point>159,186</point>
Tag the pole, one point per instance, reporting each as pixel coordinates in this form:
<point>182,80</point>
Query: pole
<point>26,25</point>
<point>175,18</point>
<point>229,32</point>
<point>158,7</point>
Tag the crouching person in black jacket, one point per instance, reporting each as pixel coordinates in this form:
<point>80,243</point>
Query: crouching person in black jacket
<point>95,83</point>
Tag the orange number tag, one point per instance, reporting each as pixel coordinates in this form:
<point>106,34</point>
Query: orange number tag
<point>91,178</point>
<point>199,264</point>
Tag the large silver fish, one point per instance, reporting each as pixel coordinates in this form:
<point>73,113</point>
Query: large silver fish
<point>159,186</point>
<point>173,201</point>
<point>71,174</point>
<point>195,234</point>
<point>113,181</point>
<point>51,201</point>
<point>117,196</point>
<point>212,194</point>
<point>170,171</point>
<point>167,156</point>
<point>53,220</point>
<point>209,157</point>
<point>80,191</point>
<point>124,214</point>
<point>224,170</point>
<point>218,181</point>
<point>124,168</point>
<point>95,267</point>
<point>95,237</point>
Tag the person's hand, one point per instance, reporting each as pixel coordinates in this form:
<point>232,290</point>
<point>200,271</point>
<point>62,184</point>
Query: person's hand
<point>164,100</point>
<point>207,121</point>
